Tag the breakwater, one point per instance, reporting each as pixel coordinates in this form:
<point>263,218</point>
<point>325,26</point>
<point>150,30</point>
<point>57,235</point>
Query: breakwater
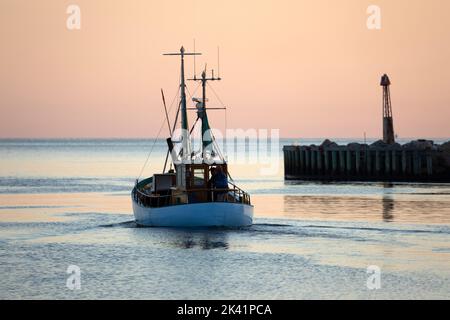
<point>416,161</point>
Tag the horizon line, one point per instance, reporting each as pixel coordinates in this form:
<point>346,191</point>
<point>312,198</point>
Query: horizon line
<point>163,138</point>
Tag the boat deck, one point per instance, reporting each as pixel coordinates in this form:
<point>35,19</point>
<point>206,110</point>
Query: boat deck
<point>143,195</point>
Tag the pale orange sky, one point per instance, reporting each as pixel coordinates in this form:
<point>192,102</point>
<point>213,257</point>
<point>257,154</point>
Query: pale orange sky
<point>310,68</point>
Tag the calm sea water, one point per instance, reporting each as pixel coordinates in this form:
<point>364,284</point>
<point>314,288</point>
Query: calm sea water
<point>66,202</point>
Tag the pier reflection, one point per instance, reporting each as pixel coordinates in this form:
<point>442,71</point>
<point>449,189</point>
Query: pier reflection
<point>388,208</point>
<point>388,203</point>
<point>341,207</point>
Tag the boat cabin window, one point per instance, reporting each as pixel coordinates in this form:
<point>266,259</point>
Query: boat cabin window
<point>199,177</point>
<point>163,182</point>
<point>196,176</point>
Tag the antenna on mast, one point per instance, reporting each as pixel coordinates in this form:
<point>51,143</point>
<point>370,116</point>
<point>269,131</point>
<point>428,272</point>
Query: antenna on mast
<point>218,62</point>
<point>195,77</point>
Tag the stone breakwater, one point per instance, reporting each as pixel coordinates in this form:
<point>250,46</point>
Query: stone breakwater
<point>415,161</point>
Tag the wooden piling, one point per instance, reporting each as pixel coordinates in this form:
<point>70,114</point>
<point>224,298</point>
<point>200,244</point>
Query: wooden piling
<point>342,161</point>
<point>387,162</point>
<point>313,160</point>
<point>357,160</point>
<point>326,159</point>
<point>307,160</point>
<point>429,165</point>
<point>404,162</point>
<point>319,161</point>
<point>368,162</point>
<point>394,161</point>
<point>377,162</point>
<point>334,160</point>
<point>416,163</point>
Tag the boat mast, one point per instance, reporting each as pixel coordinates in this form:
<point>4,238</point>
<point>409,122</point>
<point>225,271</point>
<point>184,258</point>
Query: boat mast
<point>207,137</point>
<point>184,120</point>
<point>186,151</point>
<point>206,130</point>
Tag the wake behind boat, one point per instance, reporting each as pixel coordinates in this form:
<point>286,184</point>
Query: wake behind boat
<point>197,193</point>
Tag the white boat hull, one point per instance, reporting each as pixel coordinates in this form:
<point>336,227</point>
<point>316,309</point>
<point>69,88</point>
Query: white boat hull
<point>207,214</point>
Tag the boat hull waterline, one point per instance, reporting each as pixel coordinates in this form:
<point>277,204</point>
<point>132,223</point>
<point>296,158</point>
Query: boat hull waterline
<point>207,214</point>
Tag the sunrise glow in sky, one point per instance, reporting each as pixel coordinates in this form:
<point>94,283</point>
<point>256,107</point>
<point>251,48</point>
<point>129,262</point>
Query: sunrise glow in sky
<point>309,68</point>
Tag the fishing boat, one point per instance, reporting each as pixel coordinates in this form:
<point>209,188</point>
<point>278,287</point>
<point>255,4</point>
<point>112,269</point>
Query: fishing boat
<point>198,190</point>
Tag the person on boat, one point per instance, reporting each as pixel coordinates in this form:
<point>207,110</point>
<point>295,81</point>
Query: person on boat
<point>219,180</point>
<point>211,195</point>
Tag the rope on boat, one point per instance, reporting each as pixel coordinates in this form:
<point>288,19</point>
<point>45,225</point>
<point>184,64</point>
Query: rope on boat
<point>226,124</point>
<point>195,90</point>
<point>157,137</point>
<point>217,96</point>
<point>226,120</point>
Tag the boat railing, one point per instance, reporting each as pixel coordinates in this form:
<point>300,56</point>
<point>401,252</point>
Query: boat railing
<point>232,194</point>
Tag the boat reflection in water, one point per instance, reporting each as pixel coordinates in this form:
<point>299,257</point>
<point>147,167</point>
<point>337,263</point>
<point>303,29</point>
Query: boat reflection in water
<point>202,240</point>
